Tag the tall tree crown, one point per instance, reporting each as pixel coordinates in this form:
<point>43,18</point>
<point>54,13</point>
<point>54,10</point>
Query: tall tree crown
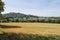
<point>1,6</point>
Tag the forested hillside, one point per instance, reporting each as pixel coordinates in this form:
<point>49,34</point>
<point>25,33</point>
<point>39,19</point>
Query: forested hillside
<point>20,17</point>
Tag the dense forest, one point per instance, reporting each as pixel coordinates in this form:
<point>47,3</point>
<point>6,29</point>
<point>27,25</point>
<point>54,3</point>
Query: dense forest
<point>20,17</point>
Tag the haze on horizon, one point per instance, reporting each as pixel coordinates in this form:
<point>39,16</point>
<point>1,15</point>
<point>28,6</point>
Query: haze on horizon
<point>33,7</point>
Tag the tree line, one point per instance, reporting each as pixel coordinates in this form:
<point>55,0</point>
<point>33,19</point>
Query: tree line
<point>31,20</point>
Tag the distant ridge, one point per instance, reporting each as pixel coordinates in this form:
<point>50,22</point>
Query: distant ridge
<point>19,15</point>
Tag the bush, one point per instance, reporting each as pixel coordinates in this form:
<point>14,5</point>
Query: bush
<point>13,36</point>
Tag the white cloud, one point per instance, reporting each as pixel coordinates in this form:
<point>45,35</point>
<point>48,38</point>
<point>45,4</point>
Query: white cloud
<point>47,12</point>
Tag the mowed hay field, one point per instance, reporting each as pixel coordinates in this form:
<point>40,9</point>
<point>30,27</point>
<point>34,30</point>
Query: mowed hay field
<point>33,28</point>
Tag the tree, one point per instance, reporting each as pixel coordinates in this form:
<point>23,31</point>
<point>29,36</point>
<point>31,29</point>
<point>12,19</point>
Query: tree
<point>1,8</point>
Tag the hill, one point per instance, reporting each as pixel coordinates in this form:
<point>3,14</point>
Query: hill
<point>19,15</point>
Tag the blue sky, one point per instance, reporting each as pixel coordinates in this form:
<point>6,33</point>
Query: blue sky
<point>34,7</point>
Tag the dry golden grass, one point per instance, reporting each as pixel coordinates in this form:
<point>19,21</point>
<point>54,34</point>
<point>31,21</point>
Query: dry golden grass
<point>33,28</point>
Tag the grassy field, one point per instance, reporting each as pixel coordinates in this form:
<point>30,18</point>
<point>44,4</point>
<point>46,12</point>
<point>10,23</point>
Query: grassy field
<point>32,28</point>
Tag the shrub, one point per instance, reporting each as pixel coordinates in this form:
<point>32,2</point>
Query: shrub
<point>13,36</point>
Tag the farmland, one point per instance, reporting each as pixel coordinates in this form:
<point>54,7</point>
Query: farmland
<point>32,28</point>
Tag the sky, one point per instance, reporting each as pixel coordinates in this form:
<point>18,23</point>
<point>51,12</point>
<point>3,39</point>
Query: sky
<point>34,7</point>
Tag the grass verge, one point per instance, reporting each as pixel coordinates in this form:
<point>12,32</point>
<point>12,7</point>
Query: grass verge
<point>21,36</point>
